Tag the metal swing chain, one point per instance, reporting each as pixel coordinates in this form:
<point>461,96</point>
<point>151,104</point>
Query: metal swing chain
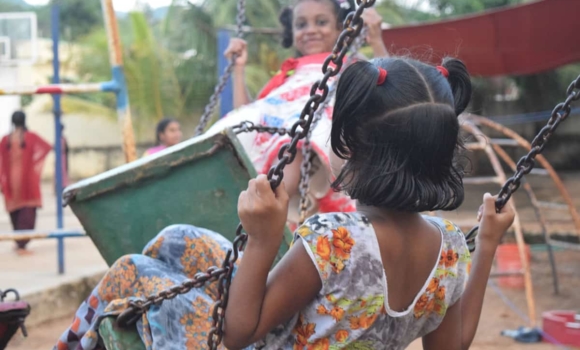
<point>306,166</point>
<point>248,126</point>
<point>318,94</point>
<point>223,80</point>
<point>527,162</point>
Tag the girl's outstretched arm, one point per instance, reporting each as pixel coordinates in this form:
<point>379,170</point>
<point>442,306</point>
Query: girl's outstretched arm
<point>240,48</point>
<point>374,37</point>
<point>460,324</point>
<point>241,94</point>
<point>259,300</point>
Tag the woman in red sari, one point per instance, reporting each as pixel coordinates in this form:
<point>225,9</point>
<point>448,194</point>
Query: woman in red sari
<point>22,155</point>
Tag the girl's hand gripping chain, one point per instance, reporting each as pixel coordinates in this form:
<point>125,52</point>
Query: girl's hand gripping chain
<point>240,48</point>
<point>493,223</point>
<point>263,212</point>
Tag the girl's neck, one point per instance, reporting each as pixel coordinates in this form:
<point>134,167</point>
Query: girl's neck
<point>376,214</point>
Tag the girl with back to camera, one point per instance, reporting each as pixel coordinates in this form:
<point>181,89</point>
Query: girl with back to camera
<point>377,278</point>
<point>311,29</point>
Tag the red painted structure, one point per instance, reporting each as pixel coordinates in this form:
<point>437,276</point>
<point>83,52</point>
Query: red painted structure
<point>524,39</point>
<point>563,327</point>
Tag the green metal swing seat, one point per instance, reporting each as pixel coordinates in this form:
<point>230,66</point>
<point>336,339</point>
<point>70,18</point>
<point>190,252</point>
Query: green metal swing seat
<point>196,182</point>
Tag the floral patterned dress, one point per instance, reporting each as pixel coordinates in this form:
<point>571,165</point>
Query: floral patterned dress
<point>176,254</point>
<point>351,310</point>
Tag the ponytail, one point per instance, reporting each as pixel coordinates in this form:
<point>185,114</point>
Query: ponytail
<point>460,83</point>
<point>286,21</point>
<point>19,121</point>
<point>356,88</point>
<point>395,122</point>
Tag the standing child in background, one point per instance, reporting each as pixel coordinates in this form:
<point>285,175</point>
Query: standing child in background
<point>22,155</point>
<point>377,278</point>
<point>310,28</point>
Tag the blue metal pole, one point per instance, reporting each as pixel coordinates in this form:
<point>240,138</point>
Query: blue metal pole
<point>227,96</point>
<point>55,19</point>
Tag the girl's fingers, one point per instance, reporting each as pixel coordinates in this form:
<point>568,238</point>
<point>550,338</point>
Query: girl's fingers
<point>262,185</point>
<point>507,208</point>
<point>281,193</point>
<point>488,204</point>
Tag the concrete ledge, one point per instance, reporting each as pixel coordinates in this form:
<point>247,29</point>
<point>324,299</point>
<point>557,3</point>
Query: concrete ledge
<point>60,301</point>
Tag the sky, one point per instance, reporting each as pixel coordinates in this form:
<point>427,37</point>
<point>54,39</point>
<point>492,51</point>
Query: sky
<point>120,5</point>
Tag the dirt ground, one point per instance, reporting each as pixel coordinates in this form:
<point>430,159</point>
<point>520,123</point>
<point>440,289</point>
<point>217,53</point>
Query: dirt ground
<point>496,317</point>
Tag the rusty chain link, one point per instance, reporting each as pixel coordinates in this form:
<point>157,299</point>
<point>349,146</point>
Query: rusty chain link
<point>223,80</point>
<point>248,126</point>
<point>319,92</point>
<point>306,166</point>
<point>527,162</point>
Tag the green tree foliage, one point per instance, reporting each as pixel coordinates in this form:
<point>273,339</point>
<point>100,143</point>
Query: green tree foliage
<point>169,74</point>
<point>462,7</point>
<point>391,12</point>
<point>189,33</point>
<point>259,14</point>
<point>77,18</point>
<point>14,6</point>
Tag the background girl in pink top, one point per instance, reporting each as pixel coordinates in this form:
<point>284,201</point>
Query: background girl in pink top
<point>167,134</point>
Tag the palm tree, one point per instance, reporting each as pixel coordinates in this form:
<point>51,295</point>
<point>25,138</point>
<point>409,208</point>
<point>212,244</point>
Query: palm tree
<point>201,23</point>
<point>163,78</point>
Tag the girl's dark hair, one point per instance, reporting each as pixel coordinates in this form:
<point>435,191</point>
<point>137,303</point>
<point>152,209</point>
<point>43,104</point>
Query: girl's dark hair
<point>400,138</point>
<point>161,127</point>
<point>341,9</point>
<point>19,121</point>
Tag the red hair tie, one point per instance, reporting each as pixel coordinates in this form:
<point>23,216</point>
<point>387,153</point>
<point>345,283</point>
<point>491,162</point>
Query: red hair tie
<point>443,71</point>
<point>382,76</point>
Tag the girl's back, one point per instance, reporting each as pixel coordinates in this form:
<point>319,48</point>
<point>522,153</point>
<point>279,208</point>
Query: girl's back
<point>385,275</point>
<point>354,306</point>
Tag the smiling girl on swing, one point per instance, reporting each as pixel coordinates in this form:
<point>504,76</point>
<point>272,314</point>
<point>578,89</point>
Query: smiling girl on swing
<point>311,29</point>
